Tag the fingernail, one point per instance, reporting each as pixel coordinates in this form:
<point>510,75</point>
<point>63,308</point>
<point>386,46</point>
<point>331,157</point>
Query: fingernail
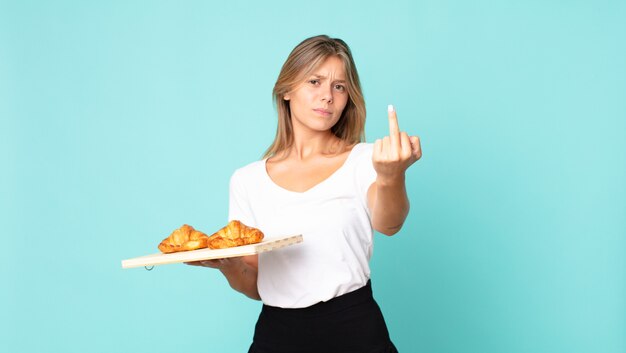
<point>390,108</point>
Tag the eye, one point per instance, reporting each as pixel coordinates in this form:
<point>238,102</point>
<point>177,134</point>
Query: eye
<point>340,88</point>
<point>314,81</point>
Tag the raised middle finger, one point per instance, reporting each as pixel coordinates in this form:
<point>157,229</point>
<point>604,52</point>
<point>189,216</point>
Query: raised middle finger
<point>394,129</point>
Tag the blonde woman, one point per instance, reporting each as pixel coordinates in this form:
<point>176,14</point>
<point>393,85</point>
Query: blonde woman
<point>320,180</point>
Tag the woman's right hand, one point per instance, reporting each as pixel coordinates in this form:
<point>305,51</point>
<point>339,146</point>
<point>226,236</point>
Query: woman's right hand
<point>241,272</point>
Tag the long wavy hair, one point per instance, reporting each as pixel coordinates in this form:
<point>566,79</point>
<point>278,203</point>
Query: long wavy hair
<point>300,63</point>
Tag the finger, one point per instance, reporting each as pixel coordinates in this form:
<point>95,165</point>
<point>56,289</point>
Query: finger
<point>205,263</point>
<point>405,144</point>
<point>196,263</point>
<point>386,147</point>
<point>394,129</point>
<point>416,147</point>
<point>378,148</point>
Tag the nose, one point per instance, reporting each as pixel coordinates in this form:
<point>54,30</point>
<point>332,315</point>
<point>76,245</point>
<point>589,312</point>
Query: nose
<point>327,95</point>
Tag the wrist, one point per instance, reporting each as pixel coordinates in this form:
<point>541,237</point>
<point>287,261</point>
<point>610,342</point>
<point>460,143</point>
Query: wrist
<point>390,180</point>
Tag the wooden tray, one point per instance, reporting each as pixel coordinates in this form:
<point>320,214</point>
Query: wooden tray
<point>209,254</point>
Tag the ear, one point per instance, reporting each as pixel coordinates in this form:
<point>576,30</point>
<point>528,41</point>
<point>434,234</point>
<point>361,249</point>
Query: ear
<point>286,97</point>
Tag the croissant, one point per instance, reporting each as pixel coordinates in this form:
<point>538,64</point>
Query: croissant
<point>184,238</point>
<point>235,234</point>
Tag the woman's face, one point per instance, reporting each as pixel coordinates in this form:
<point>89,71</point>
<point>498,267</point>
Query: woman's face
<point>317,103</point>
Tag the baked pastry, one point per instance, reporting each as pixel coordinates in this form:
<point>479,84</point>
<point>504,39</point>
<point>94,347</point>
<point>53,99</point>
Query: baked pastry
<point>184,238</point>
<point>235,234</point>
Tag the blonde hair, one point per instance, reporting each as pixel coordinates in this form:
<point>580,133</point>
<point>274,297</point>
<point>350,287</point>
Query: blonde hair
<point>302,60</point>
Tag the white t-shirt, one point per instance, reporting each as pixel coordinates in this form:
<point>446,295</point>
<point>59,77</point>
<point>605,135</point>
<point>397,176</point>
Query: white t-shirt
<point>332,217</point>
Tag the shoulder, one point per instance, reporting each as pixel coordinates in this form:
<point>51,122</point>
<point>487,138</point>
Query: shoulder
<point>250,171</point>
<point>362,151</point>
<point>363,147</point>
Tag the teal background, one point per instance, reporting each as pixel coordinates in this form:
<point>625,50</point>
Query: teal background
<point>122,120</point>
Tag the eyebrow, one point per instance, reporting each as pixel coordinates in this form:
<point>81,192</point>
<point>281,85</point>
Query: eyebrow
<point>321,76</point>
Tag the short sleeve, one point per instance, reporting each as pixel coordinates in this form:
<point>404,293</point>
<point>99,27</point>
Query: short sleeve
<point>365,174</point>
<point>239,204</point>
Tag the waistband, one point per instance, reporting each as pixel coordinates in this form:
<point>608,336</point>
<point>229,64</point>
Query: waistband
<point>359,296</point>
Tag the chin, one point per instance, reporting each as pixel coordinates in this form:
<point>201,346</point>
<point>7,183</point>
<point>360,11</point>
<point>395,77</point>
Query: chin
<point>323,127</point>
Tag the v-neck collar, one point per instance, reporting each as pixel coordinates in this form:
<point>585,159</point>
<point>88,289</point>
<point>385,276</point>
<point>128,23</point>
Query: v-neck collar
<point>316,186</point>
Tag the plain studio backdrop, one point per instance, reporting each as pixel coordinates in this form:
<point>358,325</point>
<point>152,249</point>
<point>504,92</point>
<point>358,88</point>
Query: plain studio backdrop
<point>122,120</point>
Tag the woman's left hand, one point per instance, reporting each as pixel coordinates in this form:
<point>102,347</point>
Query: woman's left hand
<point>395,153</point>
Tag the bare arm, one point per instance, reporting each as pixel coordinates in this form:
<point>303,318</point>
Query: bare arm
<point>241,273</point>
<point>389,204</point>
<point>387,197</point>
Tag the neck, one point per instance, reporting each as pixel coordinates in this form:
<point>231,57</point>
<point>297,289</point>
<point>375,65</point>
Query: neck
<point>307,145</point>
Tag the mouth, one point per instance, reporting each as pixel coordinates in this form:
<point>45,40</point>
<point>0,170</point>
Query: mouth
<point>323,112</point>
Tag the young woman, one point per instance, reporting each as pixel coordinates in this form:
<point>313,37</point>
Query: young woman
<point>320,180</point>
